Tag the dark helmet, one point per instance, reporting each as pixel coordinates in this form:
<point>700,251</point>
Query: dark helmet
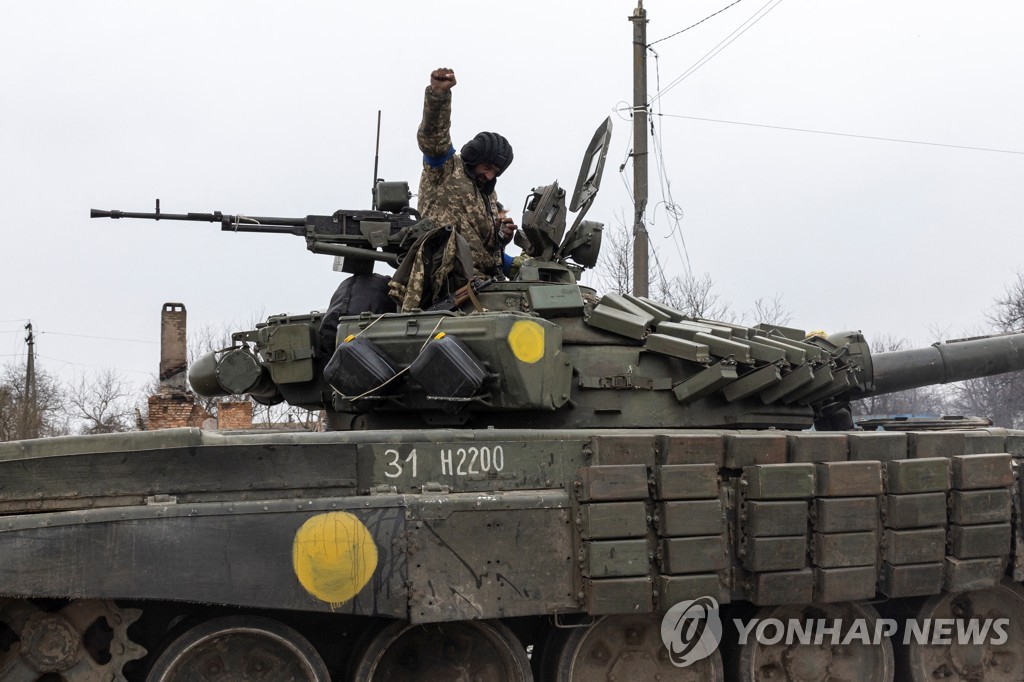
<point>488,148</point>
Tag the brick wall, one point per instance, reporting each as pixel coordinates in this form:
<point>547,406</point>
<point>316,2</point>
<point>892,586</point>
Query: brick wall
<point>234,415</point>
<point>172,410</point>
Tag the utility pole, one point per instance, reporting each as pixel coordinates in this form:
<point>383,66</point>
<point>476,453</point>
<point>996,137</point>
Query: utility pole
<point>640,277</point>
<point>28,412</point>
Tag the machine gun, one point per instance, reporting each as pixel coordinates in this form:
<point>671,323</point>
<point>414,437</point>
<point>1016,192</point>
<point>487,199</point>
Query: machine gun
<point>360,237</point>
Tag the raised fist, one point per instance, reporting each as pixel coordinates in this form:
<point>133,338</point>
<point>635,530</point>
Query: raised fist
<point>442,80</point>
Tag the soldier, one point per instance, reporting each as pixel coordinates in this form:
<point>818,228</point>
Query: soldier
<point>458,189</point>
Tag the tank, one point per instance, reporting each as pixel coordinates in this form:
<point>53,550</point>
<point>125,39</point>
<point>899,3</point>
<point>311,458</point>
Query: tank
<point>525,480</point>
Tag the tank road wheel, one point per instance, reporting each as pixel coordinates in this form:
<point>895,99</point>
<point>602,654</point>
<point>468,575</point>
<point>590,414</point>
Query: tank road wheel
<point>85,641</point>
<point>970,661</point>
<point>239,648</point>
<point>627,647</point>
<point>457,651</point>
<point>809,662</point>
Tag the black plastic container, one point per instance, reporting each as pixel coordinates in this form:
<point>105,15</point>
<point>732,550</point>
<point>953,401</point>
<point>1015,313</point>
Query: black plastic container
<point>446,368</point>
<point>358,367</point>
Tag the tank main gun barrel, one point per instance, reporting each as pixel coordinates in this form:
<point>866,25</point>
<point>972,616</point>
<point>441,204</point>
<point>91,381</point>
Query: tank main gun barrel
<point>946,362</point>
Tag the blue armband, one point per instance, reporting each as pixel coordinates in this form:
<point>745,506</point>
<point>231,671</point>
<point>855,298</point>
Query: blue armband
<point>438,161</point>
<point>506,264</point>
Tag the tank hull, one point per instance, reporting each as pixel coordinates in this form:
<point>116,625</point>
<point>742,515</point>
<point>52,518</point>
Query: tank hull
<point>347,531</point>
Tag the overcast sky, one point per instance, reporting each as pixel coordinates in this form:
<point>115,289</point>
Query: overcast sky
<point>269,108</point>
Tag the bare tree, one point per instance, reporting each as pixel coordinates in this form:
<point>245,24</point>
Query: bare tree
<point>615,267</point>
<point>694,296</point>
<point>1008,313</point>
<point>105,402</point>
<point>1001,397</point>
<point>770,311</point>
<point>39,414</point>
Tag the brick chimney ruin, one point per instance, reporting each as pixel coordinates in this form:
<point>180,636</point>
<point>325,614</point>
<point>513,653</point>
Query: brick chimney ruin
<point>173,405</point>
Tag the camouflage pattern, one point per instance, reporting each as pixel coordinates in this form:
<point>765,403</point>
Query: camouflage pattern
<point>448,195</point>
<point>409,283</point>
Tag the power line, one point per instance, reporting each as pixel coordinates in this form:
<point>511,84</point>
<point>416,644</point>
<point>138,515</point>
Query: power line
<point>103,338</point>
<point>659,40</point>
<point>853,135</point>
<point>86,364</point>
<point>728,40</point>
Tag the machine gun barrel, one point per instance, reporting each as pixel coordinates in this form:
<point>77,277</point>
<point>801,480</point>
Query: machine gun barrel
<point>359,237</point>
<point>945,362</point>
<point>233,223</point>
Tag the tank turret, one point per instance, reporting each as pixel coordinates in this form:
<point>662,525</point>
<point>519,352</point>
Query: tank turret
<point>545,351</point>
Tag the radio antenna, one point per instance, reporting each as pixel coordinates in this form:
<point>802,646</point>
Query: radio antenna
<point>376,161</point>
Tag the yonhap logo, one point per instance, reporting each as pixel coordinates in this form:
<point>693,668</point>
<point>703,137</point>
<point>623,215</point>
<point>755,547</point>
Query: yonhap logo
<point>691,630</point>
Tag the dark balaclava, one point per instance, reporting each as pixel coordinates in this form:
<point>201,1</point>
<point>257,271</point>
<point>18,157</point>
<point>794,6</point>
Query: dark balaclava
<point>487,148</point>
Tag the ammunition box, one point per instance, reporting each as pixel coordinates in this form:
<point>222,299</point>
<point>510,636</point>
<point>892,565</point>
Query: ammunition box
<point>845,514</point>
<point>919,510</point>
<point>781,587</point>
<point>622,450</point>
<point>548,301</point>
<point>778,481</point>
<point>1015,444</point>
<point>289,350</point>
<point>972,507</point>
<point>743,450</point>
<point>817,447</point>
<point>613,520</point>
<point>981,442</point>
<point>973,542</point>
<point>693,555</point>
<point>877,445</point>
<point>924,545</point>
<point>691,449</point>
<point>690,517</point>
<point>677,348</point>
<point>843,550</point>
<point>615,558</point>
<point>775,518</point>
<point>964,575</point>
<point>911,580</point>
<point>917,476</point>
<point>751,383</point>
<point>613,482</point>
<point>976,472</point>
<point>921,445</point>
<point>844,584</point>
<point>620,302</point>
<point>673,589</point>
<point>848,479</point>
<point>686,481</point>
<point>618,595</point>
<point>774,554</point>
<point>619,322</point>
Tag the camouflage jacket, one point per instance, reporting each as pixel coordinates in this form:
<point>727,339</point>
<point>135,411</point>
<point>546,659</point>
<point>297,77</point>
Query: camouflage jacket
<point>448,196</point>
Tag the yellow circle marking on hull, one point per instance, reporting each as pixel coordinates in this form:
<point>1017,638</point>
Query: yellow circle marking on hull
<point>334,556</point>
<point>526,339</point>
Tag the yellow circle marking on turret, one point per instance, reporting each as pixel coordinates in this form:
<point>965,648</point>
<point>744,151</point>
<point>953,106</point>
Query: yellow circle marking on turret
<point>526,339</point>
<point>334,556</point>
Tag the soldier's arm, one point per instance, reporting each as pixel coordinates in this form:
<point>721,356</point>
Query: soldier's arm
<point>434,134</point>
